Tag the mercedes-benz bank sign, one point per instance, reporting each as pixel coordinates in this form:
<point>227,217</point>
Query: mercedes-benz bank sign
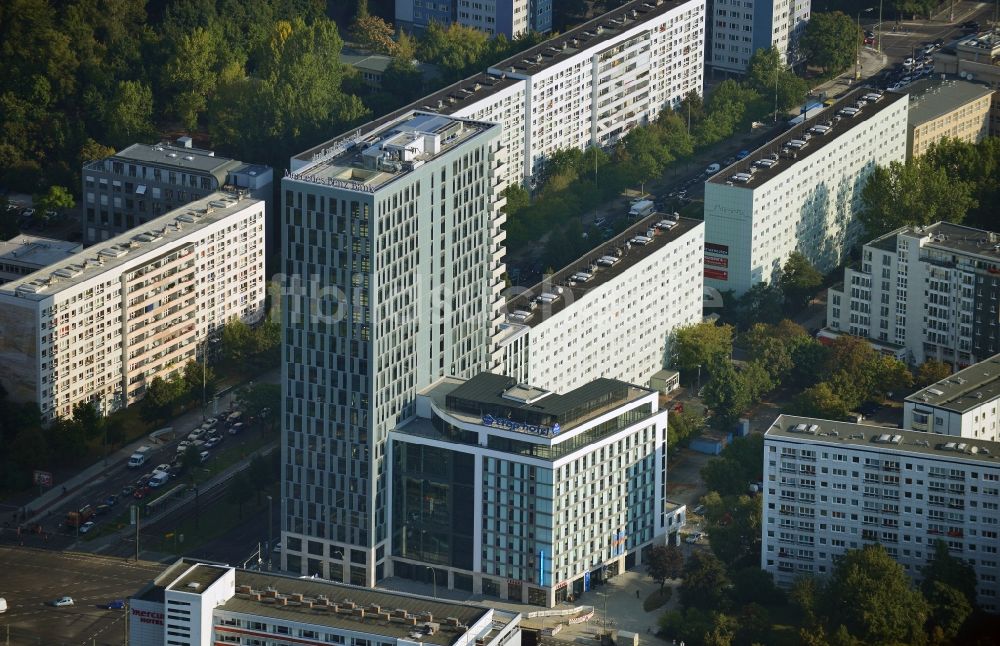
<point>511,425</point>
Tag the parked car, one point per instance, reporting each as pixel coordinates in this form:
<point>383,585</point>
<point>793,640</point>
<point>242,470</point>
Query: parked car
<point>111,500</point>
<point>869,33</point>
<point>61,601</point>
<point>196,434</point>
<point>128,490</point>
<point>939,43</point>
<point>204,456</point>
<point>236,428</point>
<point>212,442</point>
<point>742,154</point>
<point>971,25</point>
<point>713,168</point>
<point>140,493</point>
<point>161,467</point>
<point>86,527</point>
<point>210,423</point>
<point>700,510</point>
<point>908,63</point>
<point>100,510</point>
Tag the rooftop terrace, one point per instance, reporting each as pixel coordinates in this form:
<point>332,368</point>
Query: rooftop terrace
<point>104,256</point>
<point>368,162</point>
<point>603,264</point>
<point>806,138</point>
<point>347,607</point>
<point>964,390</point>
<point>881,438</point>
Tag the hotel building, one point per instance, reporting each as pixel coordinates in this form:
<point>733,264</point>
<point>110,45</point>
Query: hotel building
<point>833,486</point>
<point>800,192</point>
<point>740,28</point>
<point>142,182</point>
<point>924,293</point>
<point>611,313</point>
<point>100,325</point>
<point>963,405</point>
<point>206,604</point>
<point>516,492</point>
<point>398,239</point>
<point>586,87</point>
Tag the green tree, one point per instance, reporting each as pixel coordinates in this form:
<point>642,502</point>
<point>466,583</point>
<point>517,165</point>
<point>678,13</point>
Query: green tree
<point>737,467</point>
<point>237,342</point>
<point>912,194</point>
<point>130,113</point>
<point>804,597</point>
<point>702,344</point>
<point>57,198</point>
<point>799,281</point>
<point>820,401</point>
<point>949,609</point>
<point>809,360</point>
<point>754,585</point>
<point>930,372</point>
<point>160,398</point>
<point>728,394</point>
<point>664,562</point>
<point>770,76</point>
<point>870,594</point>
<point>949,570</point>
<point>734,529</point>
<point>830,41</point>
<point>762,303</point>
<point>374,34</point>
<point>260,474</point>
<point>191,74</point>
<point>90,421</point>
<point>705,582</point>
<point>199,381</point>
<point>682,426</point>
<point>261,401</point>
<point>457,49</point>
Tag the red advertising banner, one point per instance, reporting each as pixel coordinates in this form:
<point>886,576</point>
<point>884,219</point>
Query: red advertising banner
<point>716,262</point>
<point>717,274</point>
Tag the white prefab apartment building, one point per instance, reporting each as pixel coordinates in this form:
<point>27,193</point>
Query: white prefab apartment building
<point>800,192</point>
<point>963,405</point>
<point>397,240</point>
<point>833,486</point>
<point>586,87</point>
<point>609,314</point>
<point>203,604</point>
<point>518,493</point>
<point>512,18</point>
<point>740,28</point>
<point>100,325</point>
<point>924,293</point>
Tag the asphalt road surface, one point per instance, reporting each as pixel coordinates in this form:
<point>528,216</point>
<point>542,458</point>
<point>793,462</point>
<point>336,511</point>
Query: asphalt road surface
<point>31,578</point>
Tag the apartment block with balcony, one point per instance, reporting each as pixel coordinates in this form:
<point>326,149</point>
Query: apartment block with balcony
<point>964,405</point>
<point>511,18</point>
<point>924,293</point>
<point>741,27</point>
<point>557,492</point>
<point>800,191</point>
<point>609,314</point>
<point>99,325</point>
<point>586,87</point>
<point>833,486</point>
<point>142,182</point>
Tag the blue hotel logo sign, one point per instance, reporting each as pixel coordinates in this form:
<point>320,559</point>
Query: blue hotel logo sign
<point>511,425</point>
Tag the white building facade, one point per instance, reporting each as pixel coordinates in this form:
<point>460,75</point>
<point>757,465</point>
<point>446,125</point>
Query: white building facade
<point>617,323</point>
<point>512,18</point>
<point>555,492</point>
<point>203,604</point>
<point>740,28</point>
<point>800,192</point>
<point>397,242</point>
<point>963,405</point>
<point>100,325</point>
<point>924,293</point>
<point>586,87</point>
<point>833,486</point>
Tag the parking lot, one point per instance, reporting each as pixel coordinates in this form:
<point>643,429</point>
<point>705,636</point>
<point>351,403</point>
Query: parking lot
<point>32,578</point>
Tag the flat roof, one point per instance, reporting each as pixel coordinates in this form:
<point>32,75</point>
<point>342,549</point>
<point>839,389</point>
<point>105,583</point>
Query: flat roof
<point>34,250</point>
<point>143,239</point>
<point>964,390</point>
<point>558,284</point>
<point>948,238</point>
<point>933,98</point>
<point>479,86</point>
<point>198,578</point>
<point>312,589</point>
<point>774,149</point>
<point>833,433</point>
<point>174,156</point>
<point>351,164</point>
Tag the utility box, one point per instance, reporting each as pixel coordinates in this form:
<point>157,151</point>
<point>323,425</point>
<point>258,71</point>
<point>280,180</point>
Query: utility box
<point>626,638</point>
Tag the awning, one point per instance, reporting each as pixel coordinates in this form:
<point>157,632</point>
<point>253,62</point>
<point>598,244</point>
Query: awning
<point>140,189</point>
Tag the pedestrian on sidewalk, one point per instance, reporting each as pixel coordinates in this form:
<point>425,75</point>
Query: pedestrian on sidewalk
<point>636,594</point>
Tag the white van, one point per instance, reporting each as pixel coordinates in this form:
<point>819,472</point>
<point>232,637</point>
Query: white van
<point>159,479</point>
<point>138,458</point>
<point>3,605</point>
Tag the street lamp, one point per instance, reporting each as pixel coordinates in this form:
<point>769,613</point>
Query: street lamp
<point>602,594</point>
<point>857,62</point>
<point>270,536</point>
<point>698,387</point>
<point>433,579</point>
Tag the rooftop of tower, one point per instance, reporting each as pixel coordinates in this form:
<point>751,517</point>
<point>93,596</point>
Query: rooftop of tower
<point>369,161</point>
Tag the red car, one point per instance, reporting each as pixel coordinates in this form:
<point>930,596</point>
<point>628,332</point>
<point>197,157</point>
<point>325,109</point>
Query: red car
<point>140,493</point>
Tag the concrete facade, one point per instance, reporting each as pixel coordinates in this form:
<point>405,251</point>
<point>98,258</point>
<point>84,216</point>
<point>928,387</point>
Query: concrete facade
<point>739,28</point>
<point>931,292</point>
<point>100,325</point>
<point>833,486</point>
<point>617,324</point>
<point>963,405</point>
<point>511,18</point>
<point>952,109</point>
<point>24,254</point>
<point>800,192</point>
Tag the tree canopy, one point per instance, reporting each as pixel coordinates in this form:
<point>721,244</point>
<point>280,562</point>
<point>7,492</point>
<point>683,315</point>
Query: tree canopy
<point>830,41</point>
<point>702,344</point>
